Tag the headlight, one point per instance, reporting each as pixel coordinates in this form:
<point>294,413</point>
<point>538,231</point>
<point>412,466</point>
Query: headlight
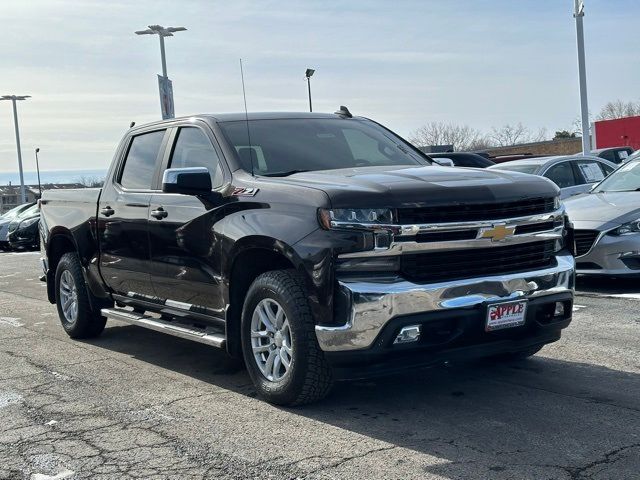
<point>556,203</point>
<point>627,228</point>
<point>29,222</point>
<point>365,218</point>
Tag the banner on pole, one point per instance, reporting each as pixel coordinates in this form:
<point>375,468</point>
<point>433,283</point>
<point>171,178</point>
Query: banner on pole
<point>165,88</point>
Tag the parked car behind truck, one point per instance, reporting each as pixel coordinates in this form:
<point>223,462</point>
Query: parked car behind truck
<point>574,174</point>
<point>316,247</point>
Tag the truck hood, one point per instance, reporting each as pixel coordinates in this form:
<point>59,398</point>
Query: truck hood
<point>603,209</point>
<point>410,186</point>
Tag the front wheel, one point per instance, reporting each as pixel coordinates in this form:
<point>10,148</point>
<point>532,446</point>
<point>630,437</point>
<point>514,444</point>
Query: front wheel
<point>279,343</point>
<point>72,299</point>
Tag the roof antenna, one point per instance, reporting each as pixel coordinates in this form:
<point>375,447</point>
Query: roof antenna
<point>344,112</point>
<point>246,116</point>
<point>132,124</point>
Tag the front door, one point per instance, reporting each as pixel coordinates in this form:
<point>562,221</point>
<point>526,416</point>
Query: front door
<point>184,246</point>
<point>123,213</point>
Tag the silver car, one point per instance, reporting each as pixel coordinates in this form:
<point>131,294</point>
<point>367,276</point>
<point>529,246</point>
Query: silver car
<point>574,174</point>
<point>607,224</point>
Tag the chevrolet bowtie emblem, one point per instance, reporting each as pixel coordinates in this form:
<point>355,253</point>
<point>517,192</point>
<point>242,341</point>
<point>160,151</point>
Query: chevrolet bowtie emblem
<point>497,233</point>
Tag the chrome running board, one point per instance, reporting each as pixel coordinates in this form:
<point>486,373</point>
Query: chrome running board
<point>208,336</point>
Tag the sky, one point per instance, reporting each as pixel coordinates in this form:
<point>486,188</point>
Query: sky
<point>404,63</point>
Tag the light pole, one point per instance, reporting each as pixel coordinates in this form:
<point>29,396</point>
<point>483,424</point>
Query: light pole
<point>164,84</point>
<point>14,99</point>
<point>582,72</point>
<point>38,170</point>
<point>308,74</point>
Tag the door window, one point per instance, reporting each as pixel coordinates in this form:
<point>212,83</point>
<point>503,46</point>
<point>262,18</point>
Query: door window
<point>591,171</point>
<point>606,168</point>
<point>193,149</point>
<point>141,161</point>
<point>562,175</point>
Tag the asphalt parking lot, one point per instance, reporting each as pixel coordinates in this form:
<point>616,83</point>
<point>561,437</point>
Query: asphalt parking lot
<point>138,404</point>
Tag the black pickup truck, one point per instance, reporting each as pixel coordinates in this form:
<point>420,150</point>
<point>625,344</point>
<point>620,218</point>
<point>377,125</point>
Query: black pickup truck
<point>315,247</point>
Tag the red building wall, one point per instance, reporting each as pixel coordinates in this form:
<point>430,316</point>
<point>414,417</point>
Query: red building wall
<point>621,132</point>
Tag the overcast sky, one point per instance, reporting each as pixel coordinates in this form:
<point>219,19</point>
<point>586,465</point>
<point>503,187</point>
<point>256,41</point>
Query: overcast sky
<point>404,63</point>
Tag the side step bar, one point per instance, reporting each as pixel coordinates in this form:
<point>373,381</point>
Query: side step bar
<point>208,337</point>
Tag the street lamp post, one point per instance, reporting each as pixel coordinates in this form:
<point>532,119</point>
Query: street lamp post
<point>14,99</point>
<point>164,84</point>
<point>308,74</point>
<point>582,72</point>
<point>38,170</point>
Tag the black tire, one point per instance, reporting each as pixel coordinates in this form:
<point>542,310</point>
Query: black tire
<point>309,377</point>
<point>88,323</point>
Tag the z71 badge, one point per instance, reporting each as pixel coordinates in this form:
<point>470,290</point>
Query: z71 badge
<point>244,192</point>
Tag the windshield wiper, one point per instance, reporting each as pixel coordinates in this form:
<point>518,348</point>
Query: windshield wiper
<point>283,174</point>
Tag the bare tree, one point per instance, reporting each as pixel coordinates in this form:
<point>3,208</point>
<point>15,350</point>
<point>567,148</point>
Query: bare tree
<point>509,135</point>
<point>619,109</point>
<point>462,137</point>
<point>90,182</point>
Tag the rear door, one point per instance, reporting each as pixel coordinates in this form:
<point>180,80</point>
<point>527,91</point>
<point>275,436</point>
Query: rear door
<point>563,175</point>
<point>123,212</point>
<point>589,172</point>
<point>185,249</point>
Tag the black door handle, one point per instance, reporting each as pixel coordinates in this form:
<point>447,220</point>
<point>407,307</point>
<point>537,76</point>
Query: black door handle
<point>159,213</point>
<point>107,211</point>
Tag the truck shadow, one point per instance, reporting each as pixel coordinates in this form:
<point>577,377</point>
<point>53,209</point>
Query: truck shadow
<point>541,418</point>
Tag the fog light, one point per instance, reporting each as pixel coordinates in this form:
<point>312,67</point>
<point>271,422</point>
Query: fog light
<point>559,310</point>
<point>408,334</point>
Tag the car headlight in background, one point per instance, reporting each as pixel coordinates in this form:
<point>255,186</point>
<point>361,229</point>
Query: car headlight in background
<point>28,222</point>
<point>557,203</point>
<point>627,228</point>
<point>365,218</point>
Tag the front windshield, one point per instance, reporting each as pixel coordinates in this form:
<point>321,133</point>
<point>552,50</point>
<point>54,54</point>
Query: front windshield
<point>14,212</point>
<point>284,146</point>
<point>29,212</point>
<point>624,179</point>
<point>528,168</point>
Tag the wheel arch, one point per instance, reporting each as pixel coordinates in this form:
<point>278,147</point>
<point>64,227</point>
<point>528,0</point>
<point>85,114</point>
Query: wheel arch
<point>60,241</point>
<point>251,257</point>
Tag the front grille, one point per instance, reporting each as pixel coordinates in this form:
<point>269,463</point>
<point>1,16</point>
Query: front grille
<point>477,262</point>
<point>584,240</point>
<point>474,212</point>
<point>447,236</point>
<point>535,228</point>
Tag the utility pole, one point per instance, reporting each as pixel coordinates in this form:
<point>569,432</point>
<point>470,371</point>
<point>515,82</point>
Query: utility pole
<point>308,74</point>
<point>164,84</point>
<point>14,99</point>
<point>582,72</point>
<point>38,170</point>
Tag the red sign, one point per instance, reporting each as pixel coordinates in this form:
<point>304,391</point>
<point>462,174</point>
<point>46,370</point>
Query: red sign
<point>621,132</point>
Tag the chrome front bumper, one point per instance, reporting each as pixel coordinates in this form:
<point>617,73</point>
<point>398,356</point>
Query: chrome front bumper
<point>373,303</point>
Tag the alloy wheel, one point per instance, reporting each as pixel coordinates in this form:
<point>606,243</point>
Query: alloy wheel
<point>271,340</point>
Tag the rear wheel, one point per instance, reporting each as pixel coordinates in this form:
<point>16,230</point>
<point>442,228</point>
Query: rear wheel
<point>78,318</point>
<point>279,344</point>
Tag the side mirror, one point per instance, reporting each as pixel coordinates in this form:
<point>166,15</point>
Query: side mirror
<point>445,162</point>
<point>188,181</point>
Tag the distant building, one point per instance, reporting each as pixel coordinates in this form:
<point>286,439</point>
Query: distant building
<point>10,194</point>
<point>621,132</point>
<point>560,146</point>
